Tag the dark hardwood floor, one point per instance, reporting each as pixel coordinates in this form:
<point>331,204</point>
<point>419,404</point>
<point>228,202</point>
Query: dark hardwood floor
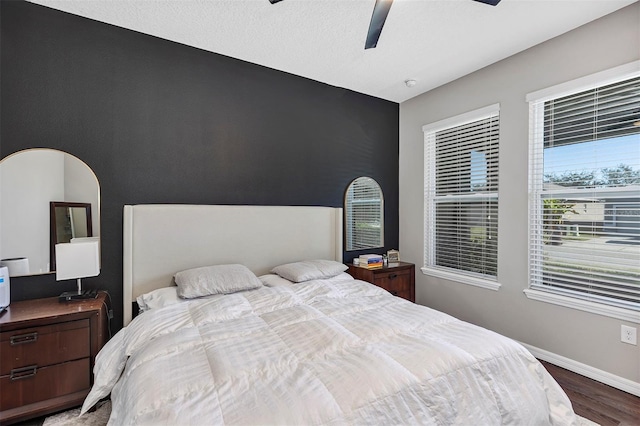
<point>596,401</point>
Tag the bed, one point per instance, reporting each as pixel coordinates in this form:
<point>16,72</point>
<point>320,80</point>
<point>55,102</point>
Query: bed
<point>265,327</point>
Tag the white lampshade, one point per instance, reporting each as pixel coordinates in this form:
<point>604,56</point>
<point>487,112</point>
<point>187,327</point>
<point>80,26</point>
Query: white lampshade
<point>77,240</point>
<point>77,260</point>
<point>17,266</point>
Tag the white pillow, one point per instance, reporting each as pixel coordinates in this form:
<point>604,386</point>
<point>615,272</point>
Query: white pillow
<point>217,279</point>
<point>158,298</point>
<point>309,270</point>
<point>273,280</point>
<point>343,277</point>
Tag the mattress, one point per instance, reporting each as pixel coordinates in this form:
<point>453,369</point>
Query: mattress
<point>321,352</point>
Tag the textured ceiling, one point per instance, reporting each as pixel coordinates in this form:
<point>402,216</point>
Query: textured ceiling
<point>430,41</point>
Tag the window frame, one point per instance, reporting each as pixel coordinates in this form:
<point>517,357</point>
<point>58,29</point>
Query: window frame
<point>536,179</point>
<point>430,268</point>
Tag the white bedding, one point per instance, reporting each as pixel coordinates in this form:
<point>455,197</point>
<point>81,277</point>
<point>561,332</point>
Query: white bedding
<point>320,352</point>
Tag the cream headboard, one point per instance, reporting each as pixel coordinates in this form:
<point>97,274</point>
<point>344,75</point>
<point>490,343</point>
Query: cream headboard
<point>162,239</point>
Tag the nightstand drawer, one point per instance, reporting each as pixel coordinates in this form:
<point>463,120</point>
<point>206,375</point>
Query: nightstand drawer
<point>397,283</point>
<point>397,278</point>
<point>43,346</point>
<point>32,384</point>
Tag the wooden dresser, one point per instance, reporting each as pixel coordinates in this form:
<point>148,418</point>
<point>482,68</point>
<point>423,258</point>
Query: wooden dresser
<point>398,278</point>
<point>47,352</point>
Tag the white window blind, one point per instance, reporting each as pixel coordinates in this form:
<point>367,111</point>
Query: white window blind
<point>364,215</point>
<point>585,193</point>
<point>461,194</point>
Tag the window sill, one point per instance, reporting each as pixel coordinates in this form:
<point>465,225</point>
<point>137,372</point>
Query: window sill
<point>461,278</point>
<point>584,305</point>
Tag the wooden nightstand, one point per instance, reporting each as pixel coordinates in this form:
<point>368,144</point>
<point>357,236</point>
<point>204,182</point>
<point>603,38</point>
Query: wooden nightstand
<point>47,352</point>
<point>398,278</point>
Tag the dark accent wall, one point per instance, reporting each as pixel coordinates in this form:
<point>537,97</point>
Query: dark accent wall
<point>160,122</point>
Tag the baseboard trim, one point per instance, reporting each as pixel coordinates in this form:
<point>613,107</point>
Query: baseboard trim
<point>585,370</point>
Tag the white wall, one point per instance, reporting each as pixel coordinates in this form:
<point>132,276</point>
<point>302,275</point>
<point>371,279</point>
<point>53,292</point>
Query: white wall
<point>585,338</point>
<point>42,177</point>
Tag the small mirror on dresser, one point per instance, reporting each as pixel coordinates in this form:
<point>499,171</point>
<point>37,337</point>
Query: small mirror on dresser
<point>36,185</point>
<point>364,215</point>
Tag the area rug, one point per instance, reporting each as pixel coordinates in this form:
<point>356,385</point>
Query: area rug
<point>99,417</point>
<point>587,422</point>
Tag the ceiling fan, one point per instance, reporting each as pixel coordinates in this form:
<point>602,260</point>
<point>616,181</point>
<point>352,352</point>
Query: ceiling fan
<point>380,12</point>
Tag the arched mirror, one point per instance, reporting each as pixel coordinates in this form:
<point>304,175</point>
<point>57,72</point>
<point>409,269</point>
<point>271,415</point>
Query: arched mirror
<point>36,186</point>
<point>364,215</point>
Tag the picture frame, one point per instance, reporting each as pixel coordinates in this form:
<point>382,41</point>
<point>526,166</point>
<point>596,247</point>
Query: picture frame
<point>393,256</point>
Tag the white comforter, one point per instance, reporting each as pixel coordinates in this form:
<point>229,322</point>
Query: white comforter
<point>321,352</point>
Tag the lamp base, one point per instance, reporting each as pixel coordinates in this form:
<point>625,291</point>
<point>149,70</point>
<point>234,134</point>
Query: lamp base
<point>77,295</point>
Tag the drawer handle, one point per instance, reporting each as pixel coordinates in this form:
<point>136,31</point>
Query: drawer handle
<point>24,338</point>
<point>24,372</point>
<point>392,276</point>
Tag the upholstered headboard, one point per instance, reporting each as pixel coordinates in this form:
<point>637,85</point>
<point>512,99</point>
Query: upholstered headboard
<point>162,239</point>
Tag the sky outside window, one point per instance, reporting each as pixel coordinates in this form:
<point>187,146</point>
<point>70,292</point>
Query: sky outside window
<point>593,156</point>
<point>478,170</point>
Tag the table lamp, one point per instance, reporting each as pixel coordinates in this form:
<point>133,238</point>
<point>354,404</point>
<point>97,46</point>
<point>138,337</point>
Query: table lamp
<point>77,260</point>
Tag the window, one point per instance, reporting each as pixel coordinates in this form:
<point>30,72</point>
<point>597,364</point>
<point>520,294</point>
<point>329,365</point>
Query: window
<point>461,197</point>
<point>363,215</point>
<point>585,192</point>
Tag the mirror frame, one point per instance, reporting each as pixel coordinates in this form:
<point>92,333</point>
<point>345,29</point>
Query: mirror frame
<point>53,228</point>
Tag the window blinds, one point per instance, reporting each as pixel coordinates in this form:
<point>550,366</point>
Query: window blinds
<point>600,113</point>
<point>364,214</point>
<point>585,194</point>
<point>461,196</point>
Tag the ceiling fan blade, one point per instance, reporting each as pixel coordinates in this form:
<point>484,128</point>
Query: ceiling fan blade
<point>274,1</point>
<point>491,2</point>
<point>380,12</point>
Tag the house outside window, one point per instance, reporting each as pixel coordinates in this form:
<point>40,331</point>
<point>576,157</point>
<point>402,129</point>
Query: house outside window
<point>584,185</point>
<point>461,197</point>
